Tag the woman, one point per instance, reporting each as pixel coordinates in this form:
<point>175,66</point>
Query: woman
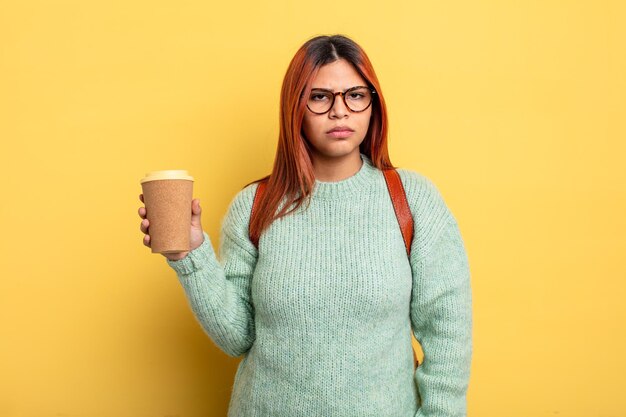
<point>323,307</point>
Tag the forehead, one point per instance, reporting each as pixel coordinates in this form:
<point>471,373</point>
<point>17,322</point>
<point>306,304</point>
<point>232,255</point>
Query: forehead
<point>337,76</point>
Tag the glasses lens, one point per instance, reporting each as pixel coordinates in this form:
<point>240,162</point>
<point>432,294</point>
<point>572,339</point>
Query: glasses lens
<point>320,101</point>
<point>359,98</point>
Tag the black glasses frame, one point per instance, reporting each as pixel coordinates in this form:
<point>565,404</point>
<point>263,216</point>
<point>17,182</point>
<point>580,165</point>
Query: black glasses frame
<point>343,96</point>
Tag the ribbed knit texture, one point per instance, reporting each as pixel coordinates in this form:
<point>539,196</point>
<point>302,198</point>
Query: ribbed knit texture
<point>323,311</point>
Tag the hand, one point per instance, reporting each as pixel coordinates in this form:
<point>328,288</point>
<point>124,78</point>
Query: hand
<point>196,235</point>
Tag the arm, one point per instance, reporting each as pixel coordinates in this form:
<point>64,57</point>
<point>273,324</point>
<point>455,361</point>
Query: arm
<point>219,292</point>
<point>441,317</point>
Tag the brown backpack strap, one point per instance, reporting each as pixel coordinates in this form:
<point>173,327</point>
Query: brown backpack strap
<point>401,206</point>
<point>257,199</point>
<point>404,216</point>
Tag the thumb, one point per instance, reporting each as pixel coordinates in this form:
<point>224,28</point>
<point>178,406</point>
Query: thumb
<point>196,211</point>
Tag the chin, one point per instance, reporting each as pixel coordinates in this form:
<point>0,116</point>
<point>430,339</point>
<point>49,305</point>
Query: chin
<point>338,151</point>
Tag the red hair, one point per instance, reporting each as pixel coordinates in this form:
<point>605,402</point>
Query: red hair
<point>292,178</point>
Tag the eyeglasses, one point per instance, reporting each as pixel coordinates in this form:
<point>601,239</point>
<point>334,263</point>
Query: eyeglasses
<point>356,99</point>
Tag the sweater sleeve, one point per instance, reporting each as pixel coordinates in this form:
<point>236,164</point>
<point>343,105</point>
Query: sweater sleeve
<point>441,304</point>
<point>218,291</point>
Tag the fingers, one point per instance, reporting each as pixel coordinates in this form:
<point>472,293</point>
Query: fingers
<point>195,206</point>
<point>196,212</point>
<point>144,223</point>
<point>142,210</point>
<point>144,226</point>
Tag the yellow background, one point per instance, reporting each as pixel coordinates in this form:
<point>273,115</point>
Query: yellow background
<point>514,109</point>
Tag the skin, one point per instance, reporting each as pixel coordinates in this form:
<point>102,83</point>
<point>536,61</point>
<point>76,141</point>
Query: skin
<point>336,159</point>
<point>333,159</point>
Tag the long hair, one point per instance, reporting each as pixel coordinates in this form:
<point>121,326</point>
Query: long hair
<point>292,178</point>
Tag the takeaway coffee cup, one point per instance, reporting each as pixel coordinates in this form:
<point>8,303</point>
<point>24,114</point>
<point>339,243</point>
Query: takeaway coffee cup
<point>167,196</point>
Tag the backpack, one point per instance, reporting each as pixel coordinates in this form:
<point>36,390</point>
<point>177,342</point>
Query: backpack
<point>400,206</point>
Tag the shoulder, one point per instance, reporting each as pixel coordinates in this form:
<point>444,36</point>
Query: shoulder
<point>239,209</point>
<point>428,207</point>
<point>244,198</point>
<point>422,193</point>
<point>235,223</point>
<point>412,179</point>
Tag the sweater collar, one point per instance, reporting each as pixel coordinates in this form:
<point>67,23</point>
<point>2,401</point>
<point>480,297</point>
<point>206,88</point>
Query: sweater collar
<point>348,186</point>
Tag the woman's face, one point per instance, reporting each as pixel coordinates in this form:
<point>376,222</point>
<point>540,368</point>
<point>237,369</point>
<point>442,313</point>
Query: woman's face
<point>336,76</point>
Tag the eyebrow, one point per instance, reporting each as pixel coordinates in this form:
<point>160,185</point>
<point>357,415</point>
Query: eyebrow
<point>328,89</point>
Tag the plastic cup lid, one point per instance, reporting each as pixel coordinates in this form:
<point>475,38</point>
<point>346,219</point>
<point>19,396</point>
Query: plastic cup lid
<point>170,174</point>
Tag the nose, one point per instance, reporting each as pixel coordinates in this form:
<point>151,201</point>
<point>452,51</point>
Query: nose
<point>339,108</point>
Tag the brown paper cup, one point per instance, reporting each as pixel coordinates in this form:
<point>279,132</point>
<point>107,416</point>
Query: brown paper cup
<point>167,196</point>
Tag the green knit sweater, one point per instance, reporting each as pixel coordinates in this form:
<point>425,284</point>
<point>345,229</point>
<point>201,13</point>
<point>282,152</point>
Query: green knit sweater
<point>323,312</point>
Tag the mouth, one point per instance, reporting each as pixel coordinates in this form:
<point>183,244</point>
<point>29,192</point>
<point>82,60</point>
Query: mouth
<point>340,129</point>
<point>340,132</point>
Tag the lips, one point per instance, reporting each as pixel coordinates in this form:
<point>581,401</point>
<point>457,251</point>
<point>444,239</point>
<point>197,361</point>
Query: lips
<point>340,132</point>
<point>340,129</point>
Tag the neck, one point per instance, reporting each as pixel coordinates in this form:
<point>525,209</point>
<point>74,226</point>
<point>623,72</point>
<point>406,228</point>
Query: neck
<point>338,168</point>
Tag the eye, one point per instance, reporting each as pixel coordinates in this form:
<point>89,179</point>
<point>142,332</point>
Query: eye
<point>358,94</point>
<point>318,96</point>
